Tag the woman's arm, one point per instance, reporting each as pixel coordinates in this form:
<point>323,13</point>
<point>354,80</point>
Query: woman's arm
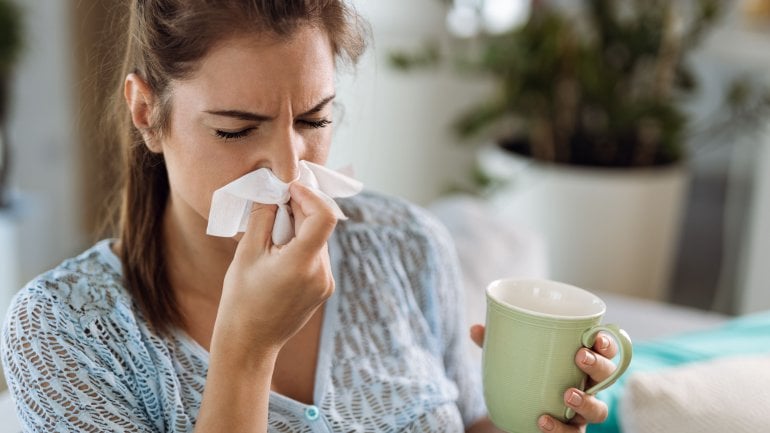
<point>237,390</point>
<point>484,426</point>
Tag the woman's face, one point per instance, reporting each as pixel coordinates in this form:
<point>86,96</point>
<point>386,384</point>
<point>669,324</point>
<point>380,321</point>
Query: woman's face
<point>254,102</point>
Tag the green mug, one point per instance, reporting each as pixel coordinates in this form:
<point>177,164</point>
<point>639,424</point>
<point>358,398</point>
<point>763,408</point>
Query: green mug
<point>534,329</point>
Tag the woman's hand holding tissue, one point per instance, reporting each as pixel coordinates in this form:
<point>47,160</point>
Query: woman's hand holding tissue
<point>280,273</point>
<point>231,204</point>
<point>271,291</point>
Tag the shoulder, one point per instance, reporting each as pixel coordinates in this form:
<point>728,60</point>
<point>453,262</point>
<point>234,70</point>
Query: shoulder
<point>397,237</point>
<point>404,247</point>
<point>73,295</point>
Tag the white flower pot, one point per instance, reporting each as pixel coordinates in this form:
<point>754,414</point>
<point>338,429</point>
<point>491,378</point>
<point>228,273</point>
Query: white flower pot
<point>612,230</point>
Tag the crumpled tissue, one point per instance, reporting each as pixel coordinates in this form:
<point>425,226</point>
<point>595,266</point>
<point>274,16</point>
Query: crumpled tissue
<point>231,204</point>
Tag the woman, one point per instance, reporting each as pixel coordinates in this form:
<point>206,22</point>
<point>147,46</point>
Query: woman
<point>168,329</point>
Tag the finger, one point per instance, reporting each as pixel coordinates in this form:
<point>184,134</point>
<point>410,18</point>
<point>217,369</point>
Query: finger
<point>297,215</point>
<point>594,365</point>
<point>477,334</point>
<point>259,230</point>
<point>605,346</point>
<point>587,406</point>
<point>578,420</point>
<point>316,217</point>
<point>549,424</point>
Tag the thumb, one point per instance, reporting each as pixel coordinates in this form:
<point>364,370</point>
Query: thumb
<point>315,219</point>
<point>259,230</point>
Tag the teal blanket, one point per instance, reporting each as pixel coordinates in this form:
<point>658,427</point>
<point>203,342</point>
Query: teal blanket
<point>742,336</point>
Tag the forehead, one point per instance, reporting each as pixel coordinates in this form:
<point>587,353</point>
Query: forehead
<point>248,69</point>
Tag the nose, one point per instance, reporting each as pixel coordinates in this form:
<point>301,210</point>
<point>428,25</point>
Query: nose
<point>284,155</point>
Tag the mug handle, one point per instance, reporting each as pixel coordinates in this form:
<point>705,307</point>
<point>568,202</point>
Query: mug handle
<point>626,352</point>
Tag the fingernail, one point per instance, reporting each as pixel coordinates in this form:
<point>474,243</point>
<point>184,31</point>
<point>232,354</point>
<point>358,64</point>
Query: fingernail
<point>575,399</point>
<point>545,423</point>
<point>588,357</point>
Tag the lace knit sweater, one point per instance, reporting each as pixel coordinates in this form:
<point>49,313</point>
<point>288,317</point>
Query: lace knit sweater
<point>79,356</point>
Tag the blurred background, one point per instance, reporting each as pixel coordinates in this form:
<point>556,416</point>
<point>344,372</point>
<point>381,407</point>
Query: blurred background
<point>511,105</point>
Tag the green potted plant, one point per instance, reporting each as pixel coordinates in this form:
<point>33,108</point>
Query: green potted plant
<point>10,46</point>
<point>601,88</point>
<point>588,112</point>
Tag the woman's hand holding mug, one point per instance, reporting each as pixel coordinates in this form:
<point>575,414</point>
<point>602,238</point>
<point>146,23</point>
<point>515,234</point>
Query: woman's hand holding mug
<point>543,345</point>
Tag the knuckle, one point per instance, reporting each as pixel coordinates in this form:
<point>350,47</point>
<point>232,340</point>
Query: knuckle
<point>328,220</point>
<point>603,414</point>
<point>595,410</point>
<point>605,367</point>
<point>320,282</point>
<point>328,289</point>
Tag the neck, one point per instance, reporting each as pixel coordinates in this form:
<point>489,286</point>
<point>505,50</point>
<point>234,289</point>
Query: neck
<point>196,262</point>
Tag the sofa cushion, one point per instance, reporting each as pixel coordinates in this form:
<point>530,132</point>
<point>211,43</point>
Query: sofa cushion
<point>722,395</point>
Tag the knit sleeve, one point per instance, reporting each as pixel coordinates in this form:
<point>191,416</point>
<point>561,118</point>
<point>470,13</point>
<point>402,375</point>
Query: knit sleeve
<point>62,371</point>
<point>455,338</point>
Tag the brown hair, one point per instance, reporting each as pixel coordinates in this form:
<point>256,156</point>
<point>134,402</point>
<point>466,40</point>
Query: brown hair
<point>166,41</point>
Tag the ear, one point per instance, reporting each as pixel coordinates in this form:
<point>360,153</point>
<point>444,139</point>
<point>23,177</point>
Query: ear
<point>140,98</point>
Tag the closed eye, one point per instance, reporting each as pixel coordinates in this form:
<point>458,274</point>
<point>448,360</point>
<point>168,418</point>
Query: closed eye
<point>315,124</point>
<point>233,135</point>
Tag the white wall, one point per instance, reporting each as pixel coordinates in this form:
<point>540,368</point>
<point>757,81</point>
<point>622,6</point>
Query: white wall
<point>745,283</point>
<point>755,293</point>
<point>395,128</point>
<point>42,227</point>
<point>41,131</point>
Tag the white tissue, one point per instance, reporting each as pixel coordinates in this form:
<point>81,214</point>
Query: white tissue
<point>231,204</point>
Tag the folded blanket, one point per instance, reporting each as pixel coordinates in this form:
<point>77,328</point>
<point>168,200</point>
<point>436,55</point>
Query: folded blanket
<point>723,395</point>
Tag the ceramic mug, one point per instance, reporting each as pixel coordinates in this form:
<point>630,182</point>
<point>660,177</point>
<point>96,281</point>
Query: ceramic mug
<point>534,329</point>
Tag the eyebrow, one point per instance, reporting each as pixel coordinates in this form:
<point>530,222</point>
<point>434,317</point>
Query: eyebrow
<point>256,117</point>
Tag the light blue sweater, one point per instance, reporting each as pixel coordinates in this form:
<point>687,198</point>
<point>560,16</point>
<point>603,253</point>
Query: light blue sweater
<point>79,356</point>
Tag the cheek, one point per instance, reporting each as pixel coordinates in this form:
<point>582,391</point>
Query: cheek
<point>196,169</point>
<point>317,149</point>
